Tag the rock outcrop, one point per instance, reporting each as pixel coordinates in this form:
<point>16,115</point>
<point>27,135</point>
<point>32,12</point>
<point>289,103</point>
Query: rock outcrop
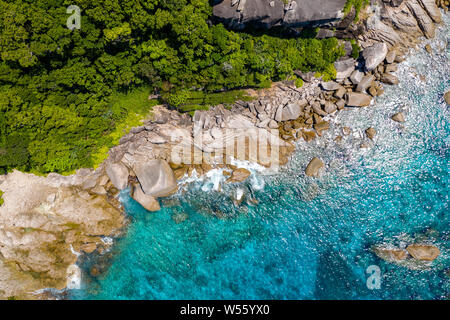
<point>43,223</point>
<point>238,14</point>
<point>401,23</point>
<point>415,256</point>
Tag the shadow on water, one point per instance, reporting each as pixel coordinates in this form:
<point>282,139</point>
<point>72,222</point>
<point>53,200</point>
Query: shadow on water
<point>335,278</point>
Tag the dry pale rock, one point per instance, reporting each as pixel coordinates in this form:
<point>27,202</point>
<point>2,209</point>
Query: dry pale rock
<point>118,174</point>
<point>148,202</point>
<point>398,117</point>
<point>356,99</point>
<point>156,178</point>
<point>239,175</point>
<point>374,55</point>
<point>312,170</point>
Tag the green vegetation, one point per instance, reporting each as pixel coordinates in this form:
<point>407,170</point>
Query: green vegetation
<point>189,101</point>
<point>299,83</point>
<point>357,4</point>
<point>1,199</point>
<point>67,96</point>
<point>355,49</point>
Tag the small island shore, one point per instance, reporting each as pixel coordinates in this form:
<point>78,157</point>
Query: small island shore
<point>46,222</point>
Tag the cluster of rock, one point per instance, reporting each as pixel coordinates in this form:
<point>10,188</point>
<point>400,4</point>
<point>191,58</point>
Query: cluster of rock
<point>238,14</point>
<point>413,256</point>
<point>401,22</point>
<point>46,222</point>
<point>305,113</point>
<point>41,233</point>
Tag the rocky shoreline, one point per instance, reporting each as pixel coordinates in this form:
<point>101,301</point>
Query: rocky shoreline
<point>46,222</point>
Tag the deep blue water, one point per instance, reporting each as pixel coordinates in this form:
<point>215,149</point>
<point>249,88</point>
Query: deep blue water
<point>307,238</point>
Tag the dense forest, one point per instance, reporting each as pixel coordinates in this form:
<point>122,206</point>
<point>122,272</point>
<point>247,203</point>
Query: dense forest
<point>64,93</point>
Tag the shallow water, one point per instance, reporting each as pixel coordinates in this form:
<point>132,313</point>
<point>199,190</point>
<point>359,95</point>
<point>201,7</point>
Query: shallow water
<point>307,238</point>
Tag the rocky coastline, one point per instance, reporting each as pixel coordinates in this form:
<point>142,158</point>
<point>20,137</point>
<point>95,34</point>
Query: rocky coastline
<point>47,222</point>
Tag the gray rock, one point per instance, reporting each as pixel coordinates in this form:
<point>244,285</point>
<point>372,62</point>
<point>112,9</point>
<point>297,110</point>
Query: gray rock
<point>344,68</point>
<point>423,19</point>
<point>389,78</point>
<point>356,99</point>
<point>365,83</point>
<point>317,109</point>
<point>390,57</point>
<point>432,9</point>
<point>273,124</point>
<point>390,68</point>
<point>290,112</point>
<point>325,33</point>
<point>330,86</point>
<point>313,12</point>
<point>340,104</point>
<point>264,123</point>
<point>118,174</point>
<point>356,76</point>
<point>340,93</point>
<point>266,14</point>
<point>155,138</point>
<point>374,55</point>
<point>330,107</point>
<point>156,178</point>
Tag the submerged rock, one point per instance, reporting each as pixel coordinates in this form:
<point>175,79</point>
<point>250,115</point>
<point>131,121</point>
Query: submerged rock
<point>390,254</point>
<point>423,252</point>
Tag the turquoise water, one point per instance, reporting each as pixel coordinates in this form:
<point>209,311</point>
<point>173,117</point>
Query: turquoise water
<point>307,238</point>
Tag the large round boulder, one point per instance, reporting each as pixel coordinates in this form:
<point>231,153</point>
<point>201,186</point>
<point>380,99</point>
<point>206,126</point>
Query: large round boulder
<point>156,178</point>
<point>374,55</point>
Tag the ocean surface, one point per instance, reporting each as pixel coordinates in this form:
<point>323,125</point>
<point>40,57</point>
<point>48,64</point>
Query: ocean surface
<point>306,238</point>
